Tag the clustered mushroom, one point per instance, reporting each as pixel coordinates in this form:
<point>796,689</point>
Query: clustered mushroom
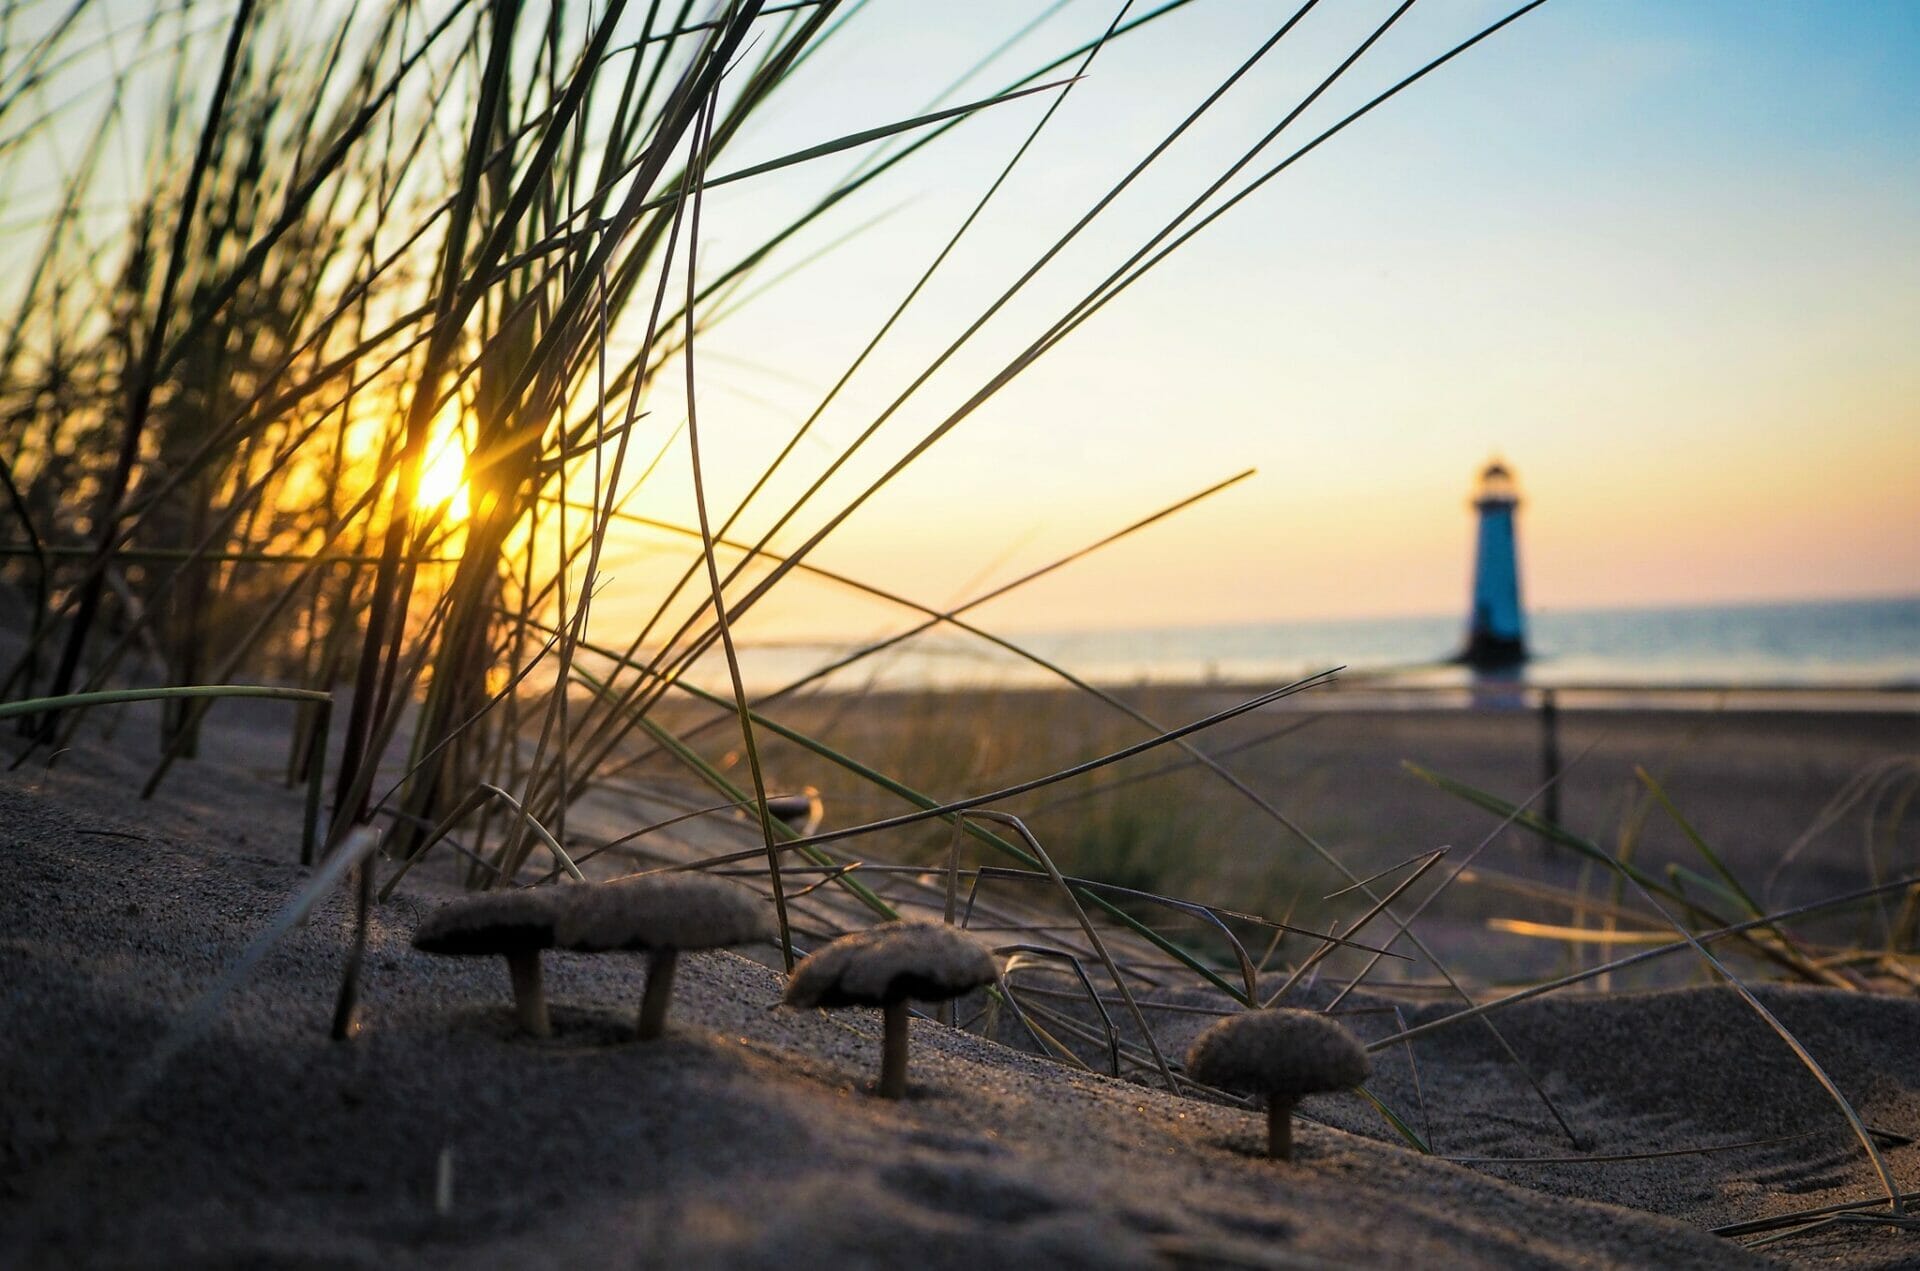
<point>658,914</point>
<point>664,914</point>
<point>884,967</point>
<point>1283,1054</point>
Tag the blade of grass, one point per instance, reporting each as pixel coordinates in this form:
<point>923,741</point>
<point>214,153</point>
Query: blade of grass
<point>1645,955</point>
<point>704,139</point>
<point>118,697</point>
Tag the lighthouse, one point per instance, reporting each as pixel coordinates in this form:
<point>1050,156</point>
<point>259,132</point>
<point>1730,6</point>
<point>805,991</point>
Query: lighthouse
<point>1496,631</point>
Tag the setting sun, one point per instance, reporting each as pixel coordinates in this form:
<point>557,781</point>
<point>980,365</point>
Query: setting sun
<point>443,474</point>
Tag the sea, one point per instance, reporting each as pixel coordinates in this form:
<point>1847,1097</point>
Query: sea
<point>1829,648</point>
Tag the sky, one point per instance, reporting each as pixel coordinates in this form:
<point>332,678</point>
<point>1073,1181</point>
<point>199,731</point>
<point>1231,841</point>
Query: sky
<point>1663,259</point>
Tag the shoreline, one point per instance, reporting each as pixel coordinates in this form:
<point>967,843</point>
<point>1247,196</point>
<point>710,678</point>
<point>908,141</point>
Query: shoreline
<point>1869,643</point>
<point>1360,692</point>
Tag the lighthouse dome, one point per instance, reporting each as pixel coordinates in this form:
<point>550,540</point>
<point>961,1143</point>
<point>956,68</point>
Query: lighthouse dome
<point>1496,485</point>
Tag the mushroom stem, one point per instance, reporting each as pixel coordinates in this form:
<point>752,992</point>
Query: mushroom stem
<point>653,1005</point>
<point>893,1052</point>
<point>1280,1128</point>
<point>523,967</point>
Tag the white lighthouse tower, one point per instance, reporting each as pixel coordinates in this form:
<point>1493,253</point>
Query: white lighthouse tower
<point>1496,628</point>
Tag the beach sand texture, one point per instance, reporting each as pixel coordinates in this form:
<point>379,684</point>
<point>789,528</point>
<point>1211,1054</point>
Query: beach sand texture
<point>749,1137</point>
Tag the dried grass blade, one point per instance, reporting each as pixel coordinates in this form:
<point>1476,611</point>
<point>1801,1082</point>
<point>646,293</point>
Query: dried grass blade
<point>1093,937</point>
<point>1080,971</point>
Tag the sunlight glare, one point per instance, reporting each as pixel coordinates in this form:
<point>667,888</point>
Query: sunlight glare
<point>443,474</point>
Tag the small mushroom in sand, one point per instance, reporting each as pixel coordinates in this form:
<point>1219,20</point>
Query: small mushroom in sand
<point>884,966</point>
<point>515,925</point>
<point>662,915</point>
<point>801,813</point>
<point>1282,1054</point>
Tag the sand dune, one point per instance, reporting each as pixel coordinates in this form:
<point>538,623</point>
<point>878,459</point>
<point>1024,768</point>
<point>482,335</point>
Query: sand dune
<point>748,1137</point>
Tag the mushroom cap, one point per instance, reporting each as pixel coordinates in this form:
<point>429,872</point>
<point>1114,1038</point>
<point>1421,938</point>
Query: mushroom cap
<point>1280,1053</point>
<point>491,922</point>
<point>801,812</point>
<point>928,961</point>
<point>663,911</point>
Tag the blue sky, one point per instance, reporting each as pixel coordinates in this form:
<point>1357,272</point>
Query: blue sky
<point>1664,258</point>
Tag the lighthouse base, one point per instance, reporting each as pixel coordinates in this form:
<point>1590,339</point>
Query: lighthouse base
<point>1487,652</point>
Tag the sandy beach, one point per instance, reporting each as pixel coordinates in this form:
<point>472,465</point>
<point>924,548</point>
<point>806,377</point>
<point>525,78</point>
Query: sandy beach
<point>1781,795</point>
<point>749,1137</point>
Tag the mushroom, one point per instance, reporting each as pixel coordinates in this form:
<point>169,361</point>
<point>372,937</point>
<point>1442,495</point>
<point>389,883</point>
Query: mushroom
<point>1282,1054</point>
<point>662,914</point>
<point>884,966</point>
<point>801,813</point>
<point>515,925</point>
